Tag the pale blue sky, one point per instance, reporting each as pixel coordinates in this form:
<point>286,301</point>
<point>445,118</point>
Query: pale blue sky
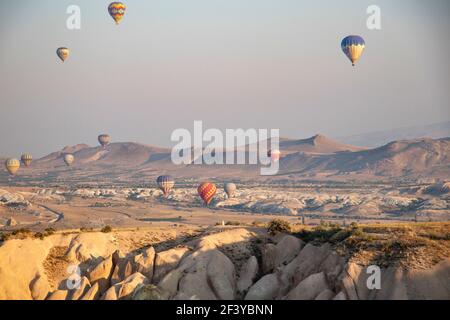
<point>230,63</point>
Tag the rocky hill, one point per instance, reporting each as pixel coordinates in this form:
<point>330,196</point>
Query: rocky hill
<point>126,154</point>
<point>246,263</point>
<point>315,158</point>
<point>318,144</point>
<point>416,158</point>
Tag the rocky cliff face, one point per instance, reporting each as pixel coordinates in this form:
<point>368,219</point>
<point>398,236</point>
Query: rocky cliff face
<point>232,264</point>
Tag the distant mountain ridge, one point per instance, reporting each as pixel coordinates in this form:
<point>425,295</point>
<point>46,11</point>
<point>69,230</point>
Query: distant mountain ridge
<point>119,153</point>
<point>379,138</point>
<point>408,158</point>
<point>315,158</point>
<point>317,144</point>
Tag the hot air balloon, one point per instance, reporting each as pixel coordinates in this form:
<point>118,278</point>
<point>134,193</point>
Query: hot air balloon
<point>230,189</point>
<point>69,159</point>
<point>165,183</point>
<point>117,11</point>
<point>12,165</point>
<point>274,155</point>
<point>63,53</point>
<point>104,139</point>
<point>26,159</point>
<point>206,191</point>
<point>353,47</point>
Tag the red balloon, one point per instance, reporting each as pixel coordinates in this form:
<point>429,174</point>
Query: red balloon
<point>206,191</point>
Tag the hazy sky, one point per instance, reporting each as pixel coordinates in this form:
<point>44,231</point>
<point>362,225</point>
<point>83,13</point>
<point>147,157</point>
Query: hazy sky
<point>230,63</point>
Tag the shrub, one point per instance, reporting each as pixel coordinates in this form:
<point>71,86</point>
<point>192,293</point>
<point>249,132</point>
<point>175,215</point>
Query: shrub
<point>341,235</point>
<point>233,223</point>
<point>322,234</point>
<point>333,233</point>
<point>4,237</point>
<point>20,231</point>
<point>259,224</point>
<point>39,235</point>
<point>106,229</point>
<point>353,225</point>
<point>334,225</point>
<point>49,231</point>
<point>432,235</point>
<point>357,232</point>
<point>278,225</point>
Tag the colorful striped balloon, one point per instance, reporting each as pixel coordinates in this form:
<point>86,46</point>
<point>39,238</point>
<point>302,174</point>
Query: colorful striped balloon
<point>165,183</point>
<point>353,47</point>
<point>26,159</point>
<point>206,191</point>
<point>117,11</point>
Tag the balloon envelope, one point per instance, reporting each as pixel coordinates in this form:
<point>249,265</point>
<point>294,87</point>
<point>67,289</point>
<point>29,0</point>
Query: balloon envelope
<point>69,159</point>
<point>63,53</point>
<point>274,155</point>
<point>104,139</point>
<point>26,159</point>
<point>165,183</point>
<point>206,191</point>
<point>117,11</point>
<point>230,189</point>
<point>12,165</point>
<point>353,47</point>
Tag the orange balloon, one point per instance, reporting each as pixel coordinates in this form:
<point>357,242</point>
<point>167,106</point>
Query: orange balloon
<point>206,191</point>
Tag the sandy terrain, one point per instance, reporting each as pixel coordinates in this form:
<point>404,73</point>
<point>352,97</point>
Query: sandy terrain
<point>39,208</point>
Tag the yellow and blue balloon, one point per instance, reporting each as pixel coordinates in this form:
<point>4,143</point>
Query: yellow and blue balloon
<point>353,47</point>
